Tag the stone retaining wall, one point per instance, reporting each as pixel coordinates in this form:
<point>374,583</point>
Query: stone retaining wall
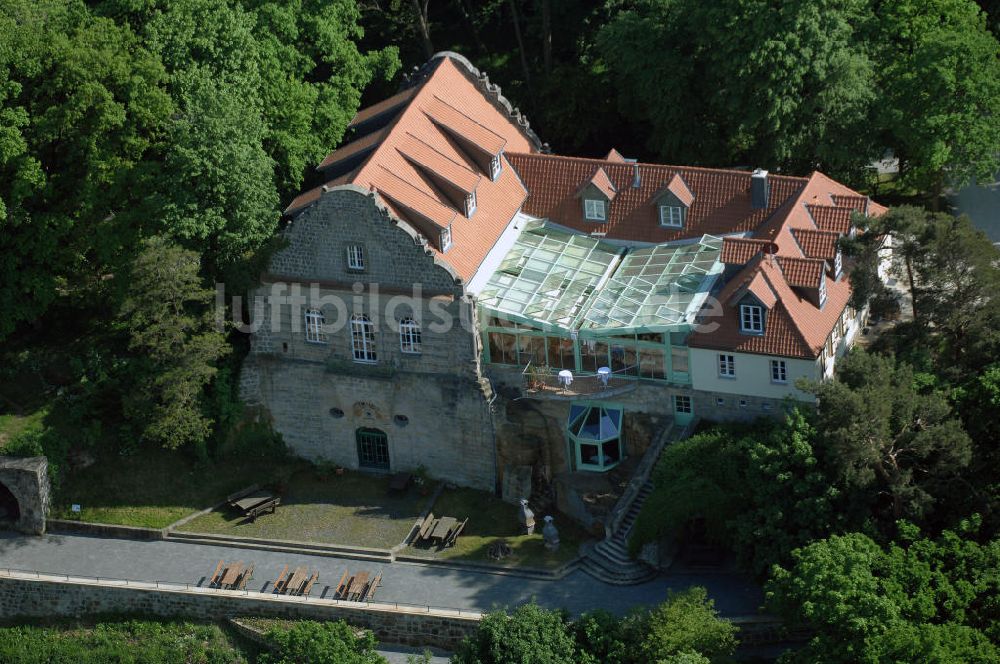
<point>22,595</point>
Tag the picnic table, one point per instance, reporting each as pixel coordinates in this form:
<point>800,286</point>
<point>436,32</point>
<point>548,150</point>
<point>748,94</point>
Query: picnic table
<point>357,588</point>
<point>444,530</point>
<point>232,576</point>
<point>299,582</point>
<point>255,503</point>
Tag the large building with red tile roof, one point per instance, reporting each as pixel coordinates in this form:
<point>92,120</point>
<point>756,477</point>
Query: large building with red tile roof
<point>662,292</point>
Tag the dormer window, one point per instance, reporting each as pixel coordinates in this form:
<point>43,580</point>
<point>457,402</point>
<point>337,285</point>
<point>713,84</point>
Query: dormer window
<point>822,290</point>
<point>445,239</point>
<point>672,216</point>
<point>838,264</point>
<point>751,319</point>
<point>496,166</point>
<point>594,210</point>
<point>470,205</point>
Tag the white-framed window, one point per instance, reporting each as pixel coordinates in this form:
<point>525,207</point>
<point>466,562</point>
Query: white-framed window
<point>363,339</point>
<point>719,401</point>
<point>671,215</point>
<point>766,405</point>
<point>355,257</point>
<point>743,403</point>
<point>445,239</point>
<point>314,326</point>
<point>682,403</point>
<point>751,318</point>
<point>409,336</point>
<point>838,264</point>
<point>727,365</point>
<point>593,209</point>
<point>779,372</point>
<point>496,166</point>
<point>822,289</point>
<point>470,204</point>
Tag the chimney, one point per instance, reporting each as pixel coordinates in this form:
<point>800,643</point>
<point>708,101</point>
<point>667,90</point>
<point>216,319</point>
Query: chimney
<point>637,179</point>
<point>760,190</point>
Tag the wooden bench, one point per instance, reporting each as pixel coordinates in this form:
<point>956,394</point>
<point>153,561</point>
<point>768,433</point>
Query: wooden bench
<point>426,527</point>
<point>241,583</point>
<point>455,533</point>
<point>280,580</point>
<point>216,575</point>
<point>372,587</point>
<point>233,497</point>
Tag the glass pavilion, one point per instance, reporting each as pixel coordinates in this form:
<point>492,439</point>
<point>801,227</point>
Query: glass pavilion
<point>561,300</point>
<point>568,301</point>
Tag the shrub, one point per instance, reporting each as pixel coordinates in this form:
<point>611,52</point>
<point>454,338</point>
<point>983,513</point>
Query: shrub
<point>322,643</point>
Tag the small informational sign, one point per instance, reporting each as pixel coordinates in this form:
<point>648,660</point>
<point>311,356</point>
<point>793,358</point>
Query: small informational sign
<point>75,507</point>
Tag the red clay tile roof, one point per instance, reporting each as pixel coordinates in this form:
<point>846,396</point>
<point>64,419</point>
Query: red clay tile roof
<point>454,99</point>
<point>794,326</point>
<point>816,244</point>
<point>762,290</point>
<point>856,203</point>
<point>831,217</point>
<point>464,127</point>
<point>383,106</point>
<point>366,142</point>
<point>802,272</point>
<point>601,182</point>
<point>615,155</point>
<point>721,198</point>
<point>679,188</point>
<point>424,156</point>
<point>739,250</point>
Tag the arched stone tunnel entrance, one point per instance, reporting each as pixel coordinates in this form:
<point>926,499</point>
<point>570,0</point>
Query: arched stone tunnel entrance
<point>10,511</point>
<point>24,493</point>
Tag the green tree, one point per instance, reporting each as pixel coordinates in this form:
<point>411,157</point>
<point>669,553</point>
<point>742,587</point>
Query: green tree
<point>774,84</point>
<point>940,86</point>
<point>174,345</point>
<point>887,437</point>
<point>685,626</point>
<point>761,489</point>
<point>322,643</point>
<point>82,107</point>
<point>528,634</point>
<point>916,600</point>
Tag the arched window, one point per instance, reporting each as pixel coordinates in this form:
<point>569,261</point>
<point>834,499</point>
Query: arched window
<point>314,326</point>
<point>373,448</point>
<point>409,336</point>
<point>363,338</point>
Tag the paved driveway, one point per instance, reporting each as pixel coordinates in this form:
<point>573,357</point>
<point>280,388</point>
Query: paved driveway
<point>403,582</point>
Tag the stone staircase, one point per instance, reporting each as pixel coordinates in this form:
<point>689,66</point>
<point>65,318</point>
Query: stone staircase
<point>609,561</point>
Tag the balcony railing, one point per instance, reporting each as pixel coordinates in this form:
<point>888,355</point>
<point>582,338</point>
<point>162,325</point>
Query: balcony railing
<point>546,381</point>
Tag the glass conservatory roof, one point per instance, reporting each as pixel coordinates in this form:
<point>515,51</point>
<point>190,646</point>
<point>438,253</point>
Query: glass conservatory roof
<point>655,286</point>
<point>575,282</point>
<point>549,275</point>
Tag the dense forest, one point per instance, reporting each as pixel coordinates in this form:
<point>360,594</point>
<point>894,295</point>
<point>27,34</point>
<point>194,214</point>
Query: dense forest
<point>147,148</point>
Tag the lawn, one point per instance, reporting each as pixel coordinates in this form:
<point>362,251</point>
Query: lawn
<point>491,519</point>
<point>351,509</point>
<point>156,487</point>
<point>138,641</point>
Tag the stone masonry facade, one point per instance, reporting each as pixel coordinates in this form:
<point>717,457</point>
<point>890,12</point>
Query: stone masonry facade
<point>28,480</point>
<point>432,407</point>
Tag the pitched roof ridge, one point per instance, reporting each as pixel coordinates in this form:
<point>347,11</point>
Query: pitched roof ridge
<point>701,169</point>
<point>367,142</point>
